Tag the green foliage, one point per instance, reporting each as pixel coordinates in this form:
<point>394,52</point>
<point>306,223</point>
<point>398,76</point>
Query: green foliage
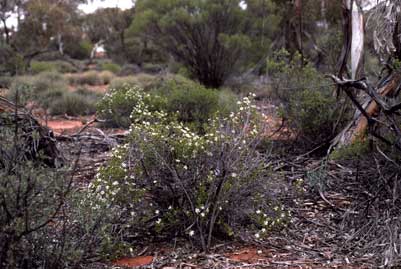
<point>79,49</point>
<point>193,102</point>
<point>178,181</point>
<point>311,114</point>
<point>152,68</point>
<point>38,67</point>
<point>356,150</point>
<point>52,66</point>
<point>111,67</point>
<point>11,62</point>
<point>307,101</point>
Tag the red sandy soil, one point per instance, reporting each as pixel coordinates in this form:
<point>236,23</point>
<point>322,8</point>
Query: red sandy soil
<point>134,262</point>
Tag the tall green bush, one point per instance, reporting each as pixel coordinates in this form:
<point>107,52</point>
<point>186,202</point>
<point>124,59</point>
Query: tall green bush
<point>305,98</point>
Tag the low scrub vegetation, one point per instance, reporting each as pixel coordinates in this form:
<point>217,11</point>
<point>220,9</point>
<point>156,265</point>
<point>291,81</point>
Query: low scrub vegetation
<point>92,78</point>
<point>52,66</point>
<point>201,185</point>
<point>49,91</point>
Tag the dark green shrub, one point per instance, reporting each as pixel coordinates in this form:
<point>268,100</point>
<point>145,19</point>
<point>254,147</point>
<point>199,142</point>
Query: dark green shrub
<point>111,67</point>
<point>311,114</point>
<point>192,101</point>
<point>152,68</point>
<point>305,97</point>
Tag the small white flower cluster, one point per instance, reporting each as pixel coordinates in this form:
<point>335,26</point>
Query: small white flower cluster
<point>201,211</point>
<point>268,223</point>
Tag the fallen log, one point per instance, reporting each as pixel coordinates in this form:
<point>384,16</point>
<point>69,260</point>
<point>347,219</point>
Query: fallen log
<point>34,141</point>
<point>369,110</point>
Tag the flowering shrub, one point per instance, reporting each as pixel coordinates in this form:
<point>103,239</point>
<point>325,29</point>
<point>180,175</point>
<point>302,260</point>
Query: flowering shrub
<point>118,103</point>
<point>170,179</point>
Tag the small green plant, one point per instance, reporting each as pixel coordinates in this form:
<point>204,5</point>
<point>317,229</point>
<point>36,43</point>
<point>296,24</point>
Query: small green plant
<point>356,150</point>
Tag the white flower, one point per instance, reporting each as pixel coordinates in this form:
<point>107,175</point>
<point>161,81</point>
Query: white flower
<point>257,235</point>
<point>234,175</point>
<point>159,221</point>
<point>258,212</point>
<point>157,212</point>
<point>191,233</point>
<point>197,210</point>
<point>185,167</point>
<point>202,214</point>
<point>263,230</point>
<point>115,183</point>
<point>259,251</point>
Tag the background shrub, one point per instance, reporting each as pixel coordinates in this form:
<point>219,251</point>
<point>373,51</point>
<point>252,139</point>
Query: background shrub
<point>111,67</point>
<point>192,101</point>
<point>81,102</point>
<point>41,88</point>
<point>52,66</point>
<point>93,78</point>
<point>142,80</point>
